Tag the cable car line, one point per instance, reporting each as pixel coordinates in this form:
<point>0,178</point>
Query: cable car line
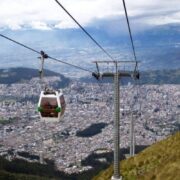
<point>85,31</point>
<point>75,66</point>
<point>52,58</point>
<point>129,29</point>
<point>52,105</point>
<point>20,44</point>
<point>137,85</point>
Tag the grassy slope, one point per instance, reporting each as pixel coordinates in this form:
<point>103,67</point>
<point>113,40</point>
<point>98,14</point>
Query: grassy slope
<point>159,161</point>
<point>4,175</point>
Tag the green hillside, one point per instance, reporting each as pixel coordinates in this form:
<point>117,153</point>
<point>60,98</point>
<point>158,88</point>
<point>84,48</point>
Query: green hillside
<point>159,161</point>
<point>21,74</point>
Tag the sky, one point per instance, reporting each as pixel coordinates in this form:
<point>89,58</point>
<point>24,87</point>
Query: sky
<point>104,19</point>
<point>47,15</point>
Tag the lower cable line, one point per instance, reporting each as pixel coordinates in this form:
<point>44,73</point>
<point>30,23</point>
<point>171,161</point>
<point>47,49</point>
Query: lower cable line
<point>47,56</point>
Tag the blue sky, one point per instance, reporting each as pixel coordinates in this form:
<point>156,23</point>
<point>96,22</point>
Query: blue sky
<point>46,15</point>
<point>104,19</point>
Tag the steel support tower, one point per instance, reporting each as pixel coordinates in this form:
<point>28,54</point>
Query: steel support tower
<point>116,75</point>
<point>132,136</point>
<point>116,125</point>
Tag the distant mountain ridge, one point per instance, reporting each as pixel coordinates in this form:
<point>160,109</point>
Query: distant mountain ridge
<point>166,76</point>
<point>19,74</point>
<point>157,47</point>
<point>171,76</point>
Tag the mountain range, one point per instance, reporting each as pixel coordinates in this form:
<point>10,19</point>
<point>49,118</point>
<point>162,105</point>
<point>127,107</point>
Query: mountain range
<point>20,74</point>
<point>166,76</point>
<point>156,47</point>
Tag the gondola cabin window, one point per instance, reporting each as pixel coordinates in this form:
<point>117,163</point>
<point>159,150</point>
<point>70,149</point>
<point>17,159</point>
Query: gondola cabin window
<point>49,106</point>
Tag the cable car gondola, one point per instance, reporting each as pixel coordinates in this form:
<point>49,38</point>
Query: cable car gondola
<point>51,105</point>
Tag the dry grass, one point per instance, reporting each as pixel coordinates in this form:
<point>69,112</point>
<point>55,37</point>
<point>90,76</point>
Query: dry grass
<point>159,161</point>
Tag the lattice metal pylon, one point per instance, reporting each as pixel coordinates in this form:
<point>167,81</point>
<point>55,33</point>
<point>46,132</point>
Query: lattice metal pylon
<point>116,75</point>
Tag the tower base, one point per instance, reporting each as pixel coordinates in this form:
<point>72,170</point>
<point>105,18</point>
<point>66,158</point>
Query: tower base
<point>114,178</point>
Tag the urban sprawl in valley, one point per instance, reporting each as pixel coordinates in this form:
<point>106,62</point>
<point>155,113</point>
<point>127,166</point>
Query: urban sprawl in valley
<point>155,107</point>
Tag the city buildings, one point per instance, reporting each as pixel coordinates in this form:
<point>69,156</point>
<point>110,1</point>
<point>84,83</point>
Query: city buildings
<point>157,107</point>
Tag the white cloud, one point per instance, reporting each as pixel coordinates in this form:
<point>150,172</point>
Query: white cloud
<point>14,25</point>
<point>39,25</point>
<point>38,13</point>
<point>165,19</point>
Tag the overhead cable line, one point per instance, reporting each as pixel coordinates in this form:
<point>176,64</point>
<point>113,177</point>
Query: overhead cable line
<point>19,44</point>
<point>129,28</point>
<point>52,58</point>
<point>84,30</point>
